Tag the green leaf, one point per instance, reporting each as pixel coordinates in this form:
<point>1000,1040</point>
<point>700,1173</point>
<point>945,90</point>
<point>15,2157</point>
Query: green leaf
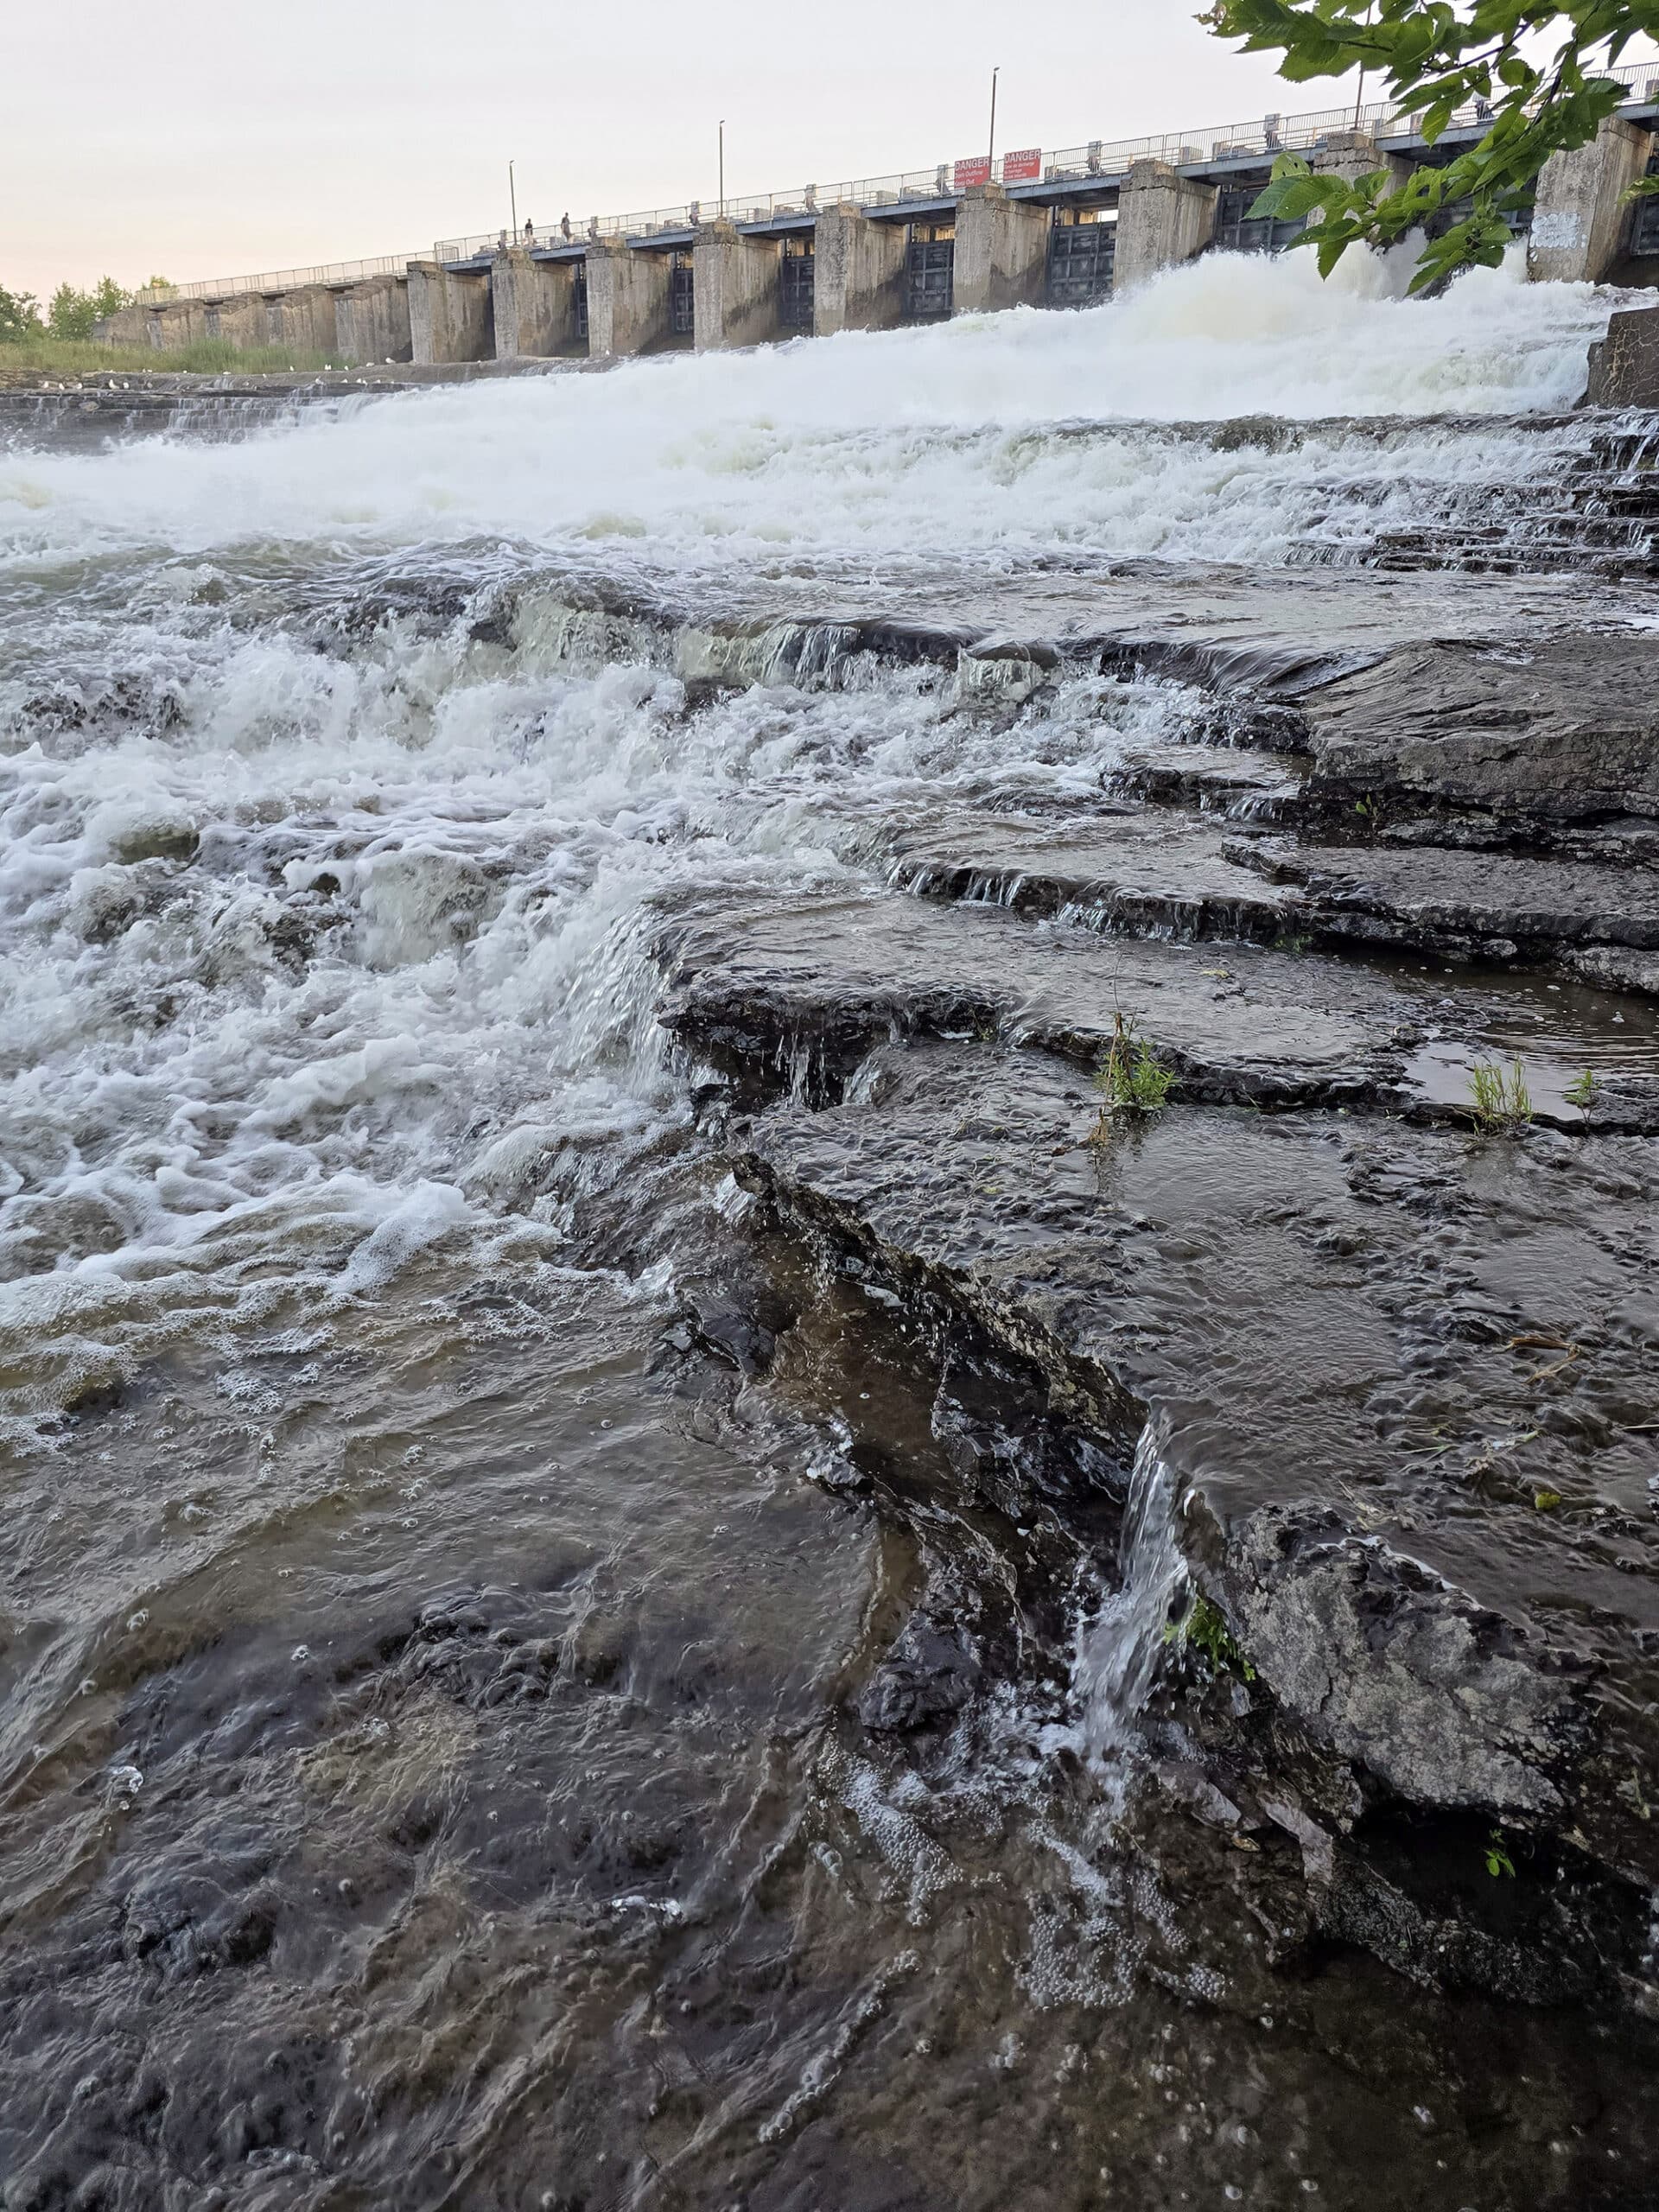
<point>1295,196</point>
<point>1430,58</point>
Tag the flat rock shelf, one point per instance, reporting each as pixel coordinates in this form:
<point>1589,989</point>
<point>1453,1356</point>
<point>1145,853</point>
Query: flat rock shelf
<point>1403,1357</point>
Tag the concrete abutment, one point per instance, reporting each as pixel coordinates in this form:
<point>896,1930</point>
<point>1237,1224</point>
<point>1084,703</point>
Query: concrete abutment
<point>630,301</point>
<point>1163,218</point>
<point>1351,154</point>
<point>535,307</point>
<point>303,319</point>
<point>1002,252</point>
<point>371,321</point>
<point>1580,220</point>
<point>239,321</point>
<point>737,288</point>
<point>449,317</point>
<point>859,264</point>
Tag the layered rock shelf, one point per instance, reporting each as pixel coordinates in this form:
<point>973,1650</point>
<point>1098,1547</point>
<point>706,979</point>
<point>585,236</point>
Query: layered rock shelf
<point>1399,1349</point>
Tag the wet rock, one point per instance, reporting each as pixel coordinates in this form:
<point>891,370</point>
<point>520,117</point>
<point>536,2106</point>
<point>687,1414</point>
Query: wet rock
<point>1220,780</point>
<point>1277,1289</point>
<point>1462,900</point>
<point>1559,729</point>
<point>1624,365</point>
<point>1447,1950</point>
<point>1446,1702</point>
<point>1614,967</point>
<point>1135,872</point>
<point>1191,1787</point>
<point>803,990</point>
<point>736,1339</point>
<point>928,1675</point>
<point>1318,1847</point>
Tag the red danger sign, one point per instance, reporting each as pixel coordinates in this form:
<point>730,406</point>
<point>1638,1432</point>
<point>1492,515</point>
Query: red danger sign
<point>1024,168</point>
<point>977,171</point>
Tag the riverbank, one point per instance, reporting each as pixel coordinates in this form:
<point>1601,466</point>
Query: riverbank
<point>41,363</point>
<point>83,412</point>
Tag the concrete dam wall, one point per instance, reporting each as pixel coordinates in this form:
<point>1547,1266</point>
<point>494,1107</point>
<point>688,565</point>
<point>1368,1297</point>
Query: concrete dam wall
<point>1068,231</point>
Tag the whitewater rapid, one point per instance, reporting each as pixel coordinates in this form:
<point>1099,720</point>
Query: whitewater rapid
<point>326,888</point>
<point>972,436</point>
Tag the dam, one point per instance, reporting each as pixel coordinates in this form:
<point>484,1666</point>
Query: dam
<point>1064,229</point>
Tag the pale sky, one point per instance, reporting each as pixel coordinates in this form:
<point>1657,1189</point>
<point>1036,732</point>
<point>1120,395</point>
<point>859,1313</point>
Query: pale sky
<point>194,139</point>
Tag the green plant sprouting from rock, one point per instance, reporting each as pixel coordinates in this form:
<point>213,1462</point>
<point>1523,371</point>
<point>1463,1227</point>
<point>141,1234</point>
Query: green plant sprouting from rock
<point>1581,1091</point>
<point>1203,1628</point>
<point>1498,1861</point>
<point>1499,1099</point>
<point>1131,1079</point>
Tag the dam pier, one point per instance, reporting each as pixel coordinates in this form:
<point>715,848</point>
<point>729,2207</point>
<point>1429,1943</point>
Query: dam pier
<point>1057,229</point>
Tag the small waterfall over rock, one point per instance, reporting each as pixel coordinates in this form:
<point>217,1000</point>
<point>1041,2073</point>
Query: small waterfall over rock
<point>1120,1649</point>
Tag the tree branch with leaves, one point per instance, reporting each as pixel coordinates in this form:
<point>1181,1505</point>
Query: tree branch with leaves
<point>1434,59</point>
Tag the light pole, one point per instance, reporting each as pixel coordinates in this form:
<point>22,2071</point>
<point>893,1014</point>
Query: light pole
<point>990,162</point>
<point>722,169</point>
<point>1359,93</point>
<point>512,202</point>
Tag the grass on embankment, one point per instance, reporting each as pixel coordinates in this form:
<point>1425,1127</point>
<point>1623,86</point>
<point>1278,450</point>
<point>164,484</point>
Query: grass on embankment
<point>26,360</point>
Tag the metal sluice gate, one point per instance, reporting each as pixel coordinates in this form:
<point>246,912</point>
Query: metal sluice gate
<point>929,272</point>
<point>797,290</point>
<point>682,295</point>
<point>1081,254</point>
<point>1239,231</point>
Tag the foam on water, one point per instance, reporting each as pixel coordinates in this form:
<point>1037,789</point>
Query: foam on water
<point>349,957</point>
<point>943,438</point>
<point>321,945</point>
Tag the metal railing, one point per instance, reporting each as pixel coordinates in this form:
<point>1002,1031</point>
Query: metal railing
<point>1260,139</point>
<point>276,280</point>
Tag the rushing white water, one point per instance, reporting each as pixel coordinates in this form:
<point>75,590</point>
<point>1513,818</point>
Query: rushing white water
<point>943,438</point>
<point>321,939</point>
<point>1120,1648</point>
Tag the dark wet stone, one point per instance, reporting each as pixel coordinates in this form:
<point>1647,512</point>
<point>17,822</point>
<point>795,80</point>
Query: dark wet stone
<point>1559,729</point>
<point>1615,967</point>
<point>1221,779</point>
<point>1388,1573</point>
<point>1435,897</point>
<point>736,1339</point>
<point>1624,365</point>
<point>929,1674</point>
<point>810,986</point>
<point>1136,871</point>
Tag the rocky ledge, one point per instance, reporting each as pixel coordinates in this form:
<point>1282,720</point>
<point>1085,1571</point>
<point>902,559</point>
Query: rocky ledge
<point>1394,1341</point>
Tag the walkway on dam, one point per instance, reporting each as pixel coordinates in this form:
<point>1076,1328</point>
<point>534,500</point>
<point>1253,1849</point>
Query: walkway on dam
<point>1064,229</point>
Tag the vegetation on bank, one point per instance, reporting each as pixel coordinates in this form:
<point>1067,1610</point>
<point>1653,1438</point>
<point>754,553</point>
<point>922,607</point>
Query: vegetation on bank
<point>70,316</point>
<point>58,341</point>
<point>30,359</point>
<point>1433,59</point>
